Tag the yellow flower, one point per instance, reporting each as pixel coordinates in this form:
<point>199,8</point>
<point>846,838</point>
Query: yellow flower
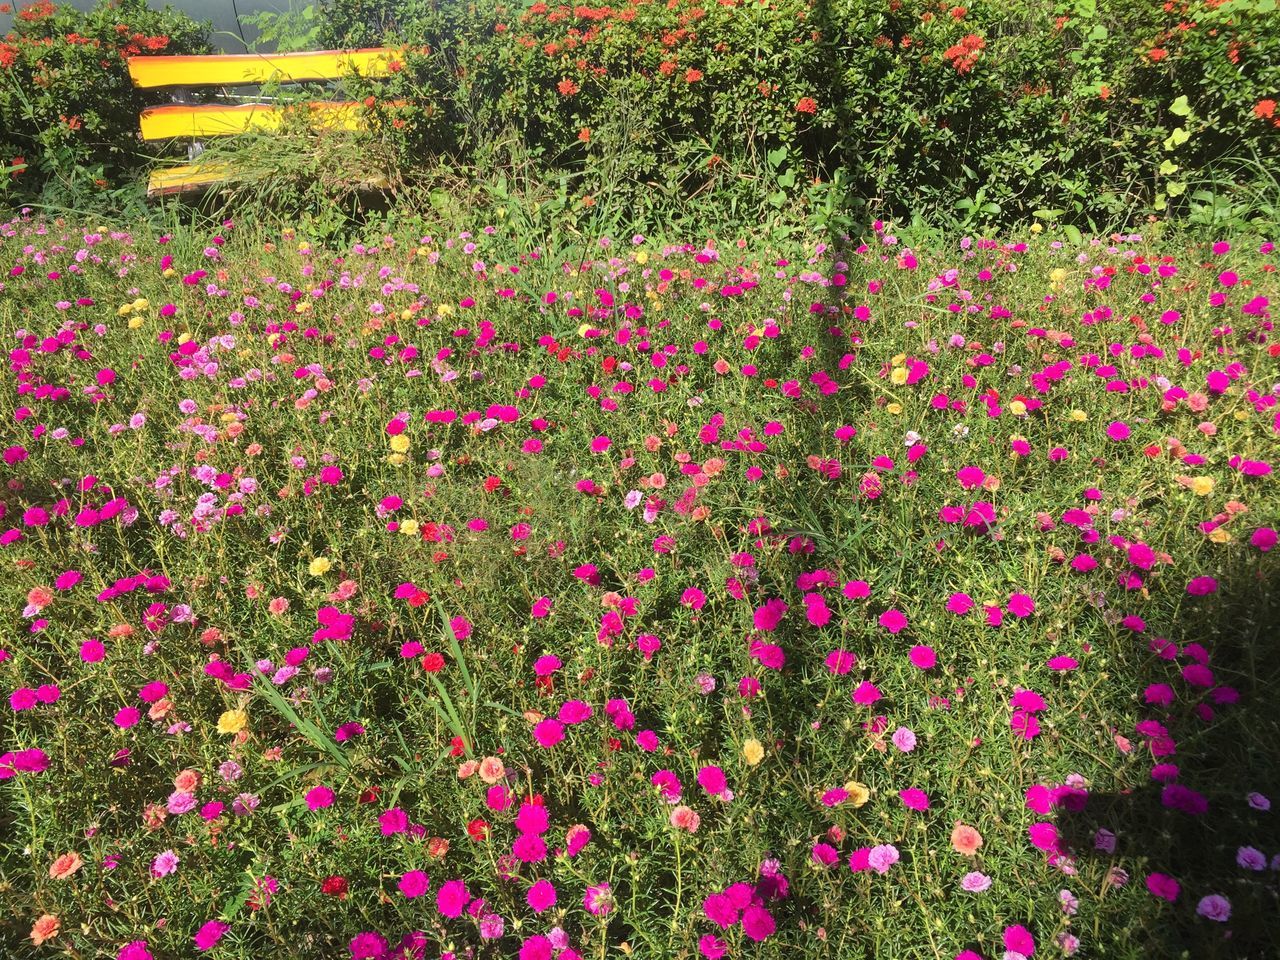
<point>396,459</point>
<point>753,751</point>
<point>409,528</point>
<point>302,306</point>
<point>894,408</point>
<point>141,304</point>
<point>169,272</point>
<point>1220,535</point>
<point>233,721</point>
<point>400,443</point>
<point>444,310</point>
<point>1036,228</point>
<point>859,793</point>
<point>642,257</point>
<point>583,328</point>
<point>406,314</point>
<point>319,566</point>
<point>1017,408</point>
<point>899,376</point>
<point>1202,486</point>
<point>1079,416</point>
<point>135,323</point>
<point>125,310</point>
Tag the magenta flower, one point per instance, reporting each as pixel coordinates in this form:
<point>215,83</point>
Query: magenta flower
<point>894,621</point>
<point>598,900</point>
<point>209,934</point>
<point>914,798</point>
<point>319,797</point>
<point>414,884</point>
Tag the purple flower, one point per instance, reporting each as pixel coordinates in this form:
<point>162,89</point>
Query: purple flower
<point>1214,907</point>
<point>881,858</point>
<point>975,882</point>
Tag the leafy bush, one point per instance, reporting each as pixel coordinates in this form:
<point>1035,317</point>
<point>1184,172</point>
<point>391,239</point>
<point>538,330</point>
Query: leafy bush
<point>1091,110</point>
<point>68,112</point>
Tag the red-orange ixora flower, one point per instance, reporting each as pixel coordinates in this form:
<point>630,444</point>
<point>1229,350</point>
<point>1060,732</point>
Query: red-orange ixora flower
<point>567,88</point>
<point>692,76</point>
<point>807,105</point>
<point>1265,109</point>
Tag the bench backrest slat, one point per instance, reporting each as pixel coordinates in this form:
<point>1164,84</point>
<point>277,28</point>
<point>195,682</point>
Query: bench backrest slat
<point>215,120</point>
<point>234,69</point>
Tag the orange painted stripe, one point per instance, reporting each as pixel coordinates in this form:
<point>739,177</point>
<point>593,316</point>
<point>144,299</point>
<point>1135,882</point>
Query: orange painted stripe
<point>251,68</point>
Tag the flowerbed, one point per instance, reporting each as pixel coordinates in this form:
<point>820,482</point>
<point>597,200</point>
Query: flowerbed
<point>432,598</point>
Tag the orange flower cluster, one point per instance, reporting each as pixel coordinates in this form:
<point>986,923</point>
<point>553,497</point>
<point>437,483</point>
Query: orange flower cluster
<point>965,54</point>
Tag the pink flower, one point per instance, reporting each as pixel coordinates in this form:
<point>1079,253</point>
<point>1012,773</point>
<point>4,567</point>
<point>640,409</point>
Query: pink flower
<point>451,898</point>
<point>959,604</point>
<point>1214,907</point>
<point>1021,605</point>
<point>881,858</point>
<point>1018,939</point>
<point>866,694</point>
<point>914,798</point>
<point>904,739</point>
<point>598,900</point>
<point>841,662</point>
<point>893,620</point>
<point>923,657</point>
<point>414,884</point>
<point>548,733</point>
<point>319,797</point>
<point>541,896</point>
<point>1163,886</point>
<point>210,934</point>
<point>757,923</point>
<point>1118,430</point>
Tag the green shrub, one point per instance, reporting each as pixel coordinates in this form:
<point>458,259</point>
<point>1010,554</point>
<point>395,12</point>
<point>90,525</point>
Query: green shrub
<point>68,113</point>
<point>1090,110</point>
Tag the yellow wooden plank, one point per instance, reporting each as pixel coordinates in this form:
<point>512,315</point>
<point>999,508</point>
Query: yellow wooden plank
<point>165,123</point>
<point>232,69</point>
<point>170,180</point>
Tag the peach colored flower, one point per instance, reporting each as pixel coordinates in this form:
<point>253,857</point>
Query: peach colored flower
<point>685,818</point>
<point>65,866</point>
<point>492,770</point>
<point>46,928</point>
<point>965,840</point>
<point>188,781</point>
<point>278,606</point>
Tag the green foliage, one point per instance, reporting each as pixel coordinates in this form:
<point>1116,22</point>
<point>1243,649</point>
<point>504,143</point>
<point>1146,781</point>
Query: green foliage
<point>68,112</point>
<point>1097,110</point>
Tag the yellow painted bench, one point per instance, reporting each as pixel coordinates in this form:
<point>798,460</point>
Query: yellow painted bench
<point>196,121</point>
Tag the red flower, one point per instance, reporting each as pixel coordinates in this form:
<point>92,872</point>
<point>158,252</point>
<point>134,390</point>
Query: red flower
<point>456,747</point>
<point>807,105</point>
<point>478,830</point>
<point>1158,54</point>
<point>1263,110</point>
<point>692,76</point>
<point>334,887</point>
<point>567,88</point>
<point>433,662</point>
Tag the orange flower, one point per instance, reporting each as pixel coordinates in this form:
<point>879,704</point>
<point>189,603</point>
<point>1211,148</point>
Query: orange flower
<point>65,866</point>
<point>585,134</point>
<point>1265,109</point>
<point>692,76</point>
<point>965,840</point>
<point>46,928</point>
<point>1158,54</point>
<point>567,88</point>
<point>1104,92</point>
